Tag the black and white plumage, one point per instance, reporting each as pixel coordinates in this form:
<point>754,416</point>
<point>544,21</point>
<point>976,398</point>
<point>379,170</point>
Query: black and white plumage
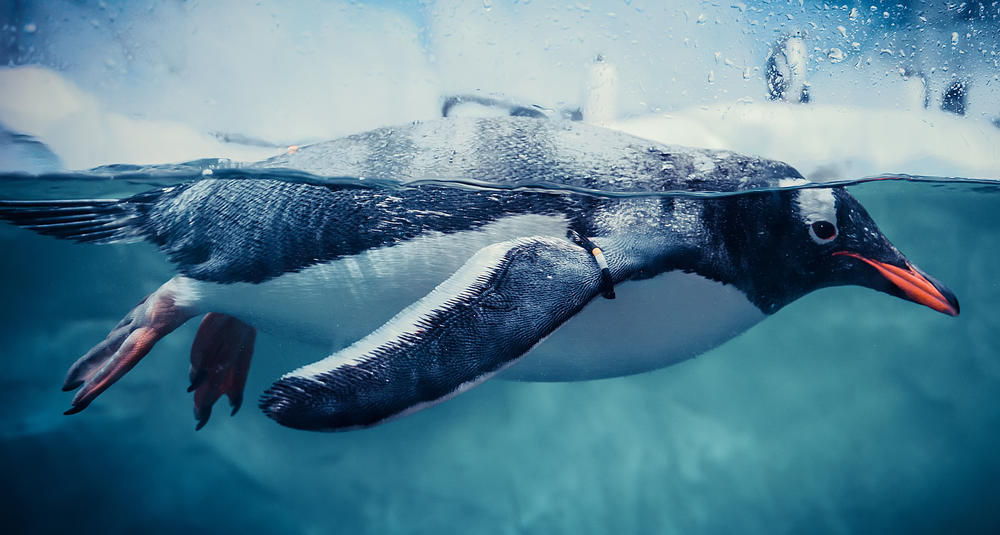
<point>428,290</point>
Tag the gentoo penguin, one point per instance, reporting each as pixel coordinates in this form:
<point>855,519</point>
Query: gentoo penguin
<point>427,289</point>
<point>785,69</point>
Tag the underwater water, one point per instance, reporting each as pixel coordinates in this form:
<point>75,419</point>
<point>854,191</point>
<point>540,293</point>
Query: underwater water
<point>848,411</point>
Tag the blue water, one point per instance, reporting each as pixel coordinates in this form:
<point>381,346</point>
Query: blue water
<point>847,411</point>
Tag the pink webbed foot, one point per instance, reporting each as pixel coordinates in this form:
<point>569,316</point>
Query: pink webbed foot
<point>153,318</point>
<point>220,361</point>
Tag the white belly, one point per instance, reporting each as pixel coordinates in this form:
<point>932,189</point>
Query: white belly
<point>652,324</point>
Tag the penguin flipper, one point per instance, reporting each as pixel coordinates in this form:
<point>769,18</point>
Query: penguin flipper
<point>502,302</point>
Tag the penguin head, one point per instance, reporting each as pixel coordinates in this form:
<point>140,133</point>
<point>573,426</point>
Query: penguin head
<point>830,240</point>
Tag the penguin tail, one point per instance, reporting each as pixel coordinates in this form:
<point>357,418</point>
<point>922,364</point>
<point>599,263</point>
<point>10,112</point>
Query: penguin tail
<point>85,220</point>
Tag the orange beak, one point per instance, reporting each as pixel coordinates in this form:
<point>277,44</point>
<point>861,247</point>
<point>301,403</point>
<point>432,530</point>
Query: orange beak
<point>914,285</point>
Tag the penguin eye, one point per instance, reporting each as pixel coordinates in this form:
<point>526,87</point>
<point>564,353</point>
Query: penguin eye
<point>822,231</point>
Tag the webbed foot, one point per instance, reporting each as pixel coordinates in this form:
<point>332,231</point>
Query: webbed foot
<point>220,361</point>
<point>153,318</point>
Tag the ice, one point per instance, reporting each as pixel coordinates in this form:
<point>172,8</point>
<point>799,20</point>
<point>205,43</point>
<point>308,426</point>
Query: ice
<point>19,152</point>
<point>835,142</point>
<point>83,133</point>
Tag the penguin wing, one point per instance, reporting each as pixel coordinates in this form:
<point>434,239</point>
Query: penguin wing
<point>232,230</point>
<point>501,303</point>
<point>252,230</point>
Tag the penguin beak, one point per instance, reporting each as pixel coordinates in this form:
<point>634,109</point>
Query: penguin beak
<point>915,285</point>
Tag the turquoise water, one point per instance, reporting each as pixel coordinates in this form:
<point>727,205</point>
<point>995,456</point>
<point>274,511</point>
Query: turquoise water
<point>847,411</point>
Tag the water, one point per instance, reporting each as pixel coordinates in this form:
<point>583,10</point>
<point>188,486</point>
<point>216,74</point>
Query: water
<point>848,411</point>
<point>845,411</point>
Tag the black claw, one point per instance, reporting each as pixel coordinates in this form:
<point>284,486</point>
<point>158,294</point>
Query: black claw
<point>199,377</point>
<point>75,409</point>
<point>236,404</point>
<point>203,420</point>
<point>72,385</point>
<point>202,417</point>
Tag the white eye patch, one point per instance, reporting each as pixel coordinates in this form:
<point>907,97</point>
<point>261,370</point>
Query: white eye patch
<point>817,210</point>
<point>817,205</point>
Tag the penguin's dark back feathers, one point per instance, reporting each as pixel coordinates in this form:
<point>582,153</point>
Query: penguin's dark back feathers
<point>524,151</point>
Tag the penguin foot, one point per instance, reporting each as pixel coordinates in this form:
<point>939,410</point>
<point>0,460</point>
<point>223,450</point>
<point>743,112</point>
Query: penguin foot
<point>153,318</point>
<point>220,361</point>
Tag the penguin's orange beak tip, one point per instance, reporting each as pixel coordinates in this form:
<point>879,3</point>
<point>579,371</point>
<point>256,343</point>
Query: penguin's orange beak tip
<point>914,284</point>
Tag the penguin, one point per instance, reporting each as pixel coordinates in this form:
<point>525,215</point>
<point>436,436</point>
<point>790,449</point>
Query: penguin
<point>539,249</point>
<point>785,69</point>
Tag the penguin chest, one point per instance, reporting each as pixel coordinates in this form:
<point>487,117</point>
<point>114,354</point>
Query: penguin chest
<point>651,324</point>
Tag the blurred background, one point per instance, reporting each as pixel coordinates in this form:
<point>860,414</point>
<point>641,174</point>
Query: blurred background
<point>846,412</point>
